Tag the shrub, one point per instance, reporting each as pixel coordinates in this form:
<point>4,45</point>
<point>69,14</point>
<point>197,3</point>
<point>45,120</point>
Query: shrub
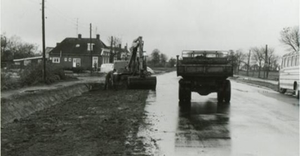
<point>33,74</point>
<point>8,82</point>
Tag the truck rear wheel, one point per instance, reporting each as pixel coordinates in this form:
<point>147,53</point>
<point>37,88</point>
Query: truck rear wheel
<point>224,93</point>
<point>184,93</point>
<point>227,90</point>
<point>220,96</point>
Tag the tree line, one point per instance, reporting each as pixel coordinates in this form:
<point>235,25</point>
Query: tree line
<point>262,58</point>
<point>159,59</point>
<point>14,48</point>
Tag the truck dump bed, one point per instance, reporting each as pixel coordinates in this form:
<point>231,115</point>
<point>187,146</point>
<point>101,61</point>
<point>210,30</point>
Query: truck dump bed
<point>204,64</point>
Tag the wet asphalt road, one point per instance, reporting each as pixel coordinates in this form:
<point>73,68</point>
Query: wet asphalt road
<point>257,121</point>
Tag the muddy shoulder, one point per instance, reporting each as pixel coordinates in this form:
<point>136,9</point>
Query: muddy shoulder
<point>95,123</point>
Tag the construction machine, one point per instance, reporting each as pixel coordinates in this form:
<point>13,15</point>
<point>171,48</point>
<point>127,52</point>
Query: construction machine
<point>134,71</point>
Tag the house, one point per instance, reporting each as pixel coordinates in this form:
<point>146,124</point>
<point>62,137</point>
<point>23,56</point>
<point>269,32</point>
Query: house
<point>47,51</point>
<point>80,52</point>
<point>21,63</point>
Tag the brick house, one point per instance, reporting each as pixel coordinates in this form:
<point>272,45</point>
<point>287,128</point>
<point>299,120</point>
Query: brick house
<point>80,52</point>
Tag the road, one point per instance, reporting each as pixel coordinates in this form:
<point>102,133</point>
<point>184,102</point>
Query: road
<point>257,121</point>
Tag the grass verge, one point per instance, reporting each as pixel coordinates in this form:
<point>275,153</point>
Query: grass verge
<point>96,123</point>
<point>259,83</point>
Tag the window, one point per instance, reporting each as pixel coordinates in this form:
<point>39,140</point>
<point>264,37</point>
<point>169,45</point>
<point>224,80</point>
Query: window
<point>297,60</point>
<point>292,61</point>
<point>287,62</point>
<point>55,60</point>
<point>66,59</point>
<point>90,46</point>
<point>77,45</point>
<point>70,59</point>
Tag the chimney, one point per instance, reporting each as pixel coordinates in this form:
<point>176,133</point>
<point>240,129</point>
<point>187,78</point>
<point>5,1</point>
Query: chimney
<point>57,43</point>
<point>79,36</point>
<point>120,46</point>
<point>98,36</point>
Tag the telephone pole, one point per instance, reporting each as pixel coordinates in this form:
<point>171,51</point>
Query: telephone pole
<point>77,27</point>
<point>266,63</point>
<point>43,36</point>
<point>91,47</point>
<point>248,66</point>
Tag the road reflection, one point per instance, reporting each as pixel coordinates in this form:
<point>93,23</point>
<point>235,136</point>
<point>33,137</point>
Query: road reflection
<point>203,125</point>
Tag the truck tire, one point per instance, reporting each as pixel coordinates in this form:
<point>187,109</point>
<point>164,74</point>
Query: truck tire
<point>220,96</point>
<point>181,93</point>
<point>227,90</point>
<point>184,93</point>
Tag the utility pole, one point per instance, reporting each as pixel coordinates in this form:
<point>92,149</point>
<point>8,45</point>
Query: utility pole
<point>91,48</point>
<point>249,56</point>
<point>77,27</point>
<point>111,50</point>
<point>266,62</point>
<point>43,36</point>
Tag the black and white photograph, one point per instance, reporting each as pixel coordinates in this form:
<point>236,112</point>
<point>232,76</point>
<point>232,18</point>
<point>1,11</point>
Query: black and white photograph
<point>150,77</point>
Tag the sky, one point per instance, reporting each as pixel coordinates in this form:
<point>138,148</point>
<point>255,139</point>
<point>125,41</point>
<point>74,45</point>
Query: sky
<point>168,25</point>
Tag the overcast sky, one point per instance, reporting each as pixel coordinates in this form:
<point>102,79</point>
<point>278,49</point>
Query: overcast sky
<point>168,25</point>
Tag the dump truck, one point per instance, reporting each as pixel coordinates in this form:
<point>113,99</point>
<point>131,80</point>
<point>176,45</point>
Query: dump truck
<point>204,72</point>
<point>135,71</point>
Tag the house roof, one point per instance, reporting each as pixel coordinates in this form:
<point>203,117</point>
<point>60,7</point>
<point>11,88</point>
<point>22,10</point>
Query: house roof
<point>28,58</point>
<point>48,49</point>
<point>79,45</point>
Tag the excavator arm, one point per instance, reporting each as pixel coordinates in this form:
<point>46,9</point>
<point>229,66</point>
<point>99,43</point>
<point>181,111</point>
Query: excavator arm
<point>138,68</point>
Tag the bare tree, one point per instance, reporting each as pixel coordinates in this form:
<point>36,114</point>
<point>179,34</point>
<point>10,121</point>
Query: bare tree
<point>17,48</point>
<point>248,57</point>
<point>114,42</point>
<point>258,55</point>
<point>270,53</point>
<point>274,64</point>
<point>290,38</point>
<point>239,57</point>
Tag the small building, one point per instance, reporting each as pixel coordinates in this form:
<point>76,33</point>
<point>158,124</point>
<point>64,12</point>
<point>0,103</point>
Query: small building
<point>21,63</point>
<point>47,51</point>
<point>80,52</point>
